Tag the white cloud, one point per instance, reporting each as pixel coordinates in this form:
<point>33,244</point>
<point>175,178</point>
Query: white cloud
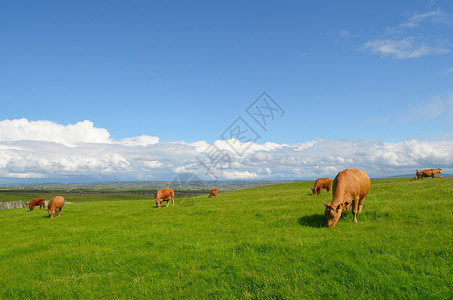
<point>402,49</point>
<point>69,135</point>
<point>433,16</point>
<point>240,175</point>
<point>143,141</point>
<point>152,164</point>
<point>146,159</point>
<point>413,38</point>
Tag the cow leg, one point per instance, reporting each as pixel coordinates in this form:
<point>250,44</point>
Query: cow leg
<point>172,201</point>
<point>346,206</point>
<point>355,204</point>
<point>361,204</point>
<point>168,202</point>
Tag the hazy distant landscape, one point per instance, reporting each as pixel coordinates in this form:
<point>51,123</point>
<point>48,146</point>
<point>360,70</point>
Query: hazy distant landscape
<point>182,188</point>
<point>186,185</point>
<point>195,185</point>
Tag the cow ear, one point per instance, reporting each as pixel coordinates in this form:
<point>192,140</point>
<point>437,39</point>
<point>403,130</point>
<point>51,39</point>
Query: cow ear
<point>339,207</point>
<point>325,204</point>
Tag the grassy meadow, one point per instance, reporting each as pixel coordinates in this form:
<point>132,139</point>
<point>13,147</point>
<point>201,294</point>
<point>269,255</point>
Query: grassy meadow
<point>260,243</point>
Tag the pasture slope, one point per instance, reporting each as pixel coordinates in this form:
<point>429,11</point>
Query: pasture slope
<point>261,243</point>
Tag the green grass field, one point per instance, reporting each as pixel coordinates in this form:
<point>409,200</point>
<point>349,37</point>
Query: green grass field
<point>262,243</point>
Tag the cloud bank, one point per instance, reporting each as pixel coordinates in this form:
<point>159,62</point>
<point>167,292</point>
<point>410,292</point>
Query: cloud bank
<point>44,150</point>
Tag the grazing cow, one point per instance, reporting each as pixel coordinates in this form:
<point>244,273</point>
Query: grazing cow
<point>350,186</point>
<point>213,193</point>
<point>414,179</point>
<point>321,183</point>
<point>55,206</point>
<point>35,202</point>
<point>164,195</point>
<point>427,173</point>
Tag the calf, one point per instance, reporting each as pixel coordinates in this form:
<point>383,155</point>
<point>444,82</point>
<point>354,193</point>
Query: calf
<point>213,193</point>
<point>55,206</point>
<point>321,183</point>
<point>350,186</point>
<point>427,173</point>
<point>41,202</point>
<point>164,195</point>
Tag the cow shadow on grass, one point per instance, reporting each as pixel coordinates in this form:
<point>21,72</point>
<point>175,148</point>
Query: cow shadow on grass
<point>316,220</point>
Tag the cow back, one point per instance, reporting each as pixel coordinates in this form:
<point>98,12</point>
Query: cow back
<point>350,182</point>
<point>429,172</point>
<point>213,193</point>
<point>56,202</point>
<point>164,194</point>
<point>35,202</point>
<point>323,182</point>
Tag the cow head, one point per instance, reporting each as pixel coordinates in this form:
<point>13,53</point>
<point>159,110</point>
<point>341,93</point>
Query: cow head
<point>313,191</point>
<point>333,213</point>
<point>158,202</point>
<point>51,213</point>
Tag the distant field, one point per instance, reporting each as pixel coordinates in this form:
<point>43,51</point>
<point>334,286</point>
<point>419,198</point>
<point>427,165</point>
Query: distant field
<point>79,196</point>
<point>266,242</point>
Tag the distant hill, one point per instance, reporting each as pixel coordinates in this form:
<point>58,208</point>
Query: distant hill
<point>150,186</point>
<point>186,185</point>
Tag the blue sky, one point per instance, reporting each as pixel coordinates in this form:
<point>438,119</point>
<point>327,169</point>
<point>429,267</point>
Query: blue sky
<point>181,73</point>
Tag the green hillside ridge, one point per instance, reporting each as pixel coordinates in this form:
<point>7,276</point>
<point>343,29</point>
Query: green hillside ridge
<point>264,242</point>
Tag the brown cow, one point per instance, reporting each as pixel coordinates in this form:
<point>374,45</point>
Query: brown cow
<point>427,173</point>
<point>414,179</point>
<point>164,195</point>
<point>55,206</point>
<point>350,186</point>
<point>35,202</point>
<point>213,193</point>
<point>321,183</point>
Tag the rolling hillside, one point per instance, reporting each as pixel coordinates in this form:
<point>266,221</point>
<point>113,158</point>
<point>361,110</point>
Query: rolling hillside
<point>264,242</point>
